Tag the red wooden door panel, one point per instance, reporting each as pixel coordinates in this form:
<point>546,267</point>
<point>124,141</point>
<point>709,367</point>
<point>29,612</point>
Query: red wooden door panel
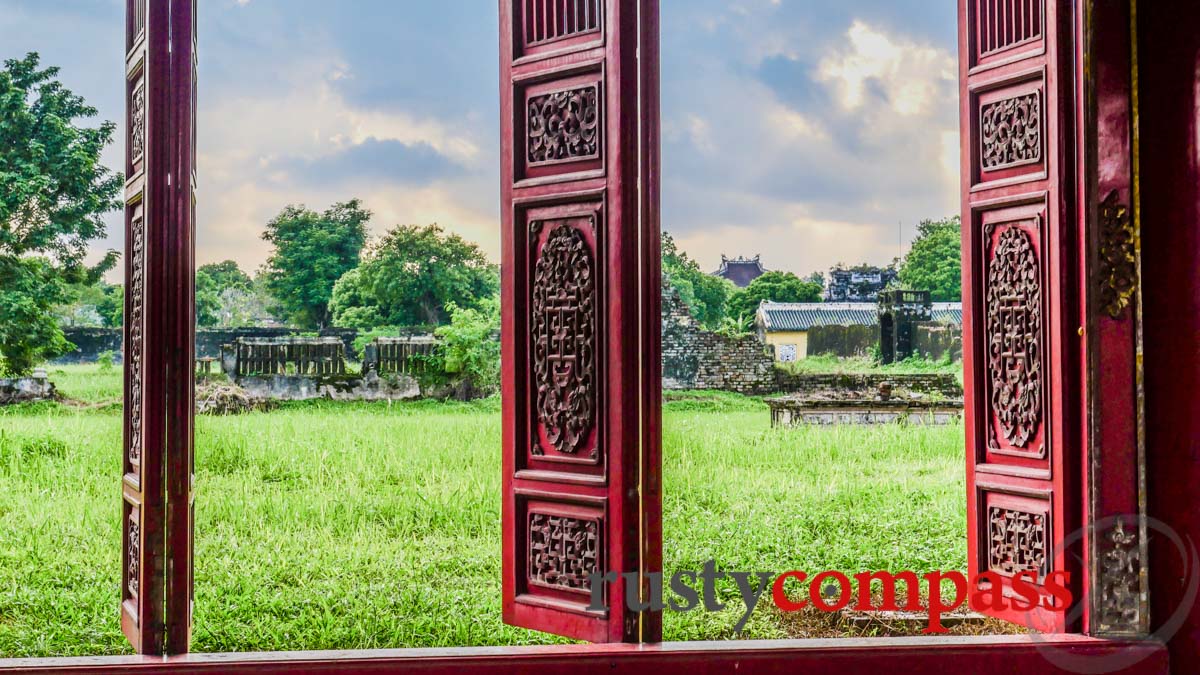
<point>580,336</point>
<point>1018,130</point>
<point>157,474</point>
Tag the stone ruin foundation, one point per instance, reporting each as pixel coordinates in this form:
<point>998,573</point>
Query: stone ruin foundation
<point>27,389</point>
<point>885,407</point>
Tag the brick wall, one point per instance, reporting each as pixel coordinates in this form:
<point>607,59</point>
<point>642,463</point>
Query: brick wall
<point>694,358</point>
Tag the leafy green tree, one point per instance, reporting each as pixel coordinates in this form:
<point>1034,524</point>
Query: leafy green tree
<point>467,355</point>
<point>53,194</point>
<point>353,304</point>
<point>81,308</point>
<point>219,286</point>
<point>773,286</point>
<point>112,306</point>
<point>412,275</point>
<point>208,300</point>
<point>705,295</point>
<point>934,263</point>
<point>227,274</point>
<point>312,251</point>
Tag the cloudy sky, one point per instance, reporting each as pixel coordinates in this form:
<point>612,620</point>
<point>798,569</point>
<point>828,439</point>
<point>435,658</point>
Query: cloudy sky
<point>810,131</point>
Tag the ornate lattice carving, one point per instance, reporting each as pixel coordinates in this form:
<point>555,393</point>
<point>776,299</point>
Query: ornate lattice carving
<point>1014,335</point>
<point>564,340</point>
<point>563,551</point>
<point>1017,542</point>
<point>137,125</point>
<point>564,125</point>
<point>133,552</point>
<point>1118,264</point>
<point>1120,581</point>
<point>1011,131</point>
<point>136,322</point>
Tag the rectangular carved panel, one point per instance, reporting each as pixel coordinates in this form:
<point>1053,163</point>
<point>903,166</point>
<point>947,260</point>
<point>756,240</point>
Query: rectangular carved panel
<point>564,338</point>
<point>134,326</point>
<point>133,556</point>
<point>1010,132</point>
<point>563,551</point>
<point>564,125</point>
<point>136,124</point>
<point>1019,541</point>
<point>1003,24</point>
<point>549,20</point>
<point>1015,342</point>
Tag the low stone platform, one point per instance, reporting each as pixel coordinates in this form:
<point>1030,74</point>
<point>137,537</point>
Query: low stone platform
<point>27,389</point>
<point>798,410</point>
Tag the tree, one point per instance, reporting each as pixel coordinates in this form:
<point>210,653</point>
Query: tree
<point>227,274</point>
<point>705,295</point>
<point>112,306</point>
<point>218,286</point>
<point>353,304</point>
<point>934,263</point>
<point>312,251</point>
<point>53,194</point>
<point>412,275</point>
<point>208,300</point>
<point>773,286</point>
<point>467,356</point>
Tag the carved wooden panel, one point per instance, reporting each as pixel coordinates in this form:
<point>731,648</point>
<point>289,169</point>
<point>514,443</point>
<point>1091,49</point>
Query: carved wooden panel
<point>137,125</point>
<point>1018,541</point>
<point>559,133</point>
<point>135,328</point>
<point>563,550</point>
<point>563,335</point>
<point>1011,131</point>
<point>1118,264</point>
<point>133,554</point>
<point>1120,602</point>
<point>1004,24</point>
<point>579,317</point>
<point>1017,91</point>
<point>1014,335</point>
<point>549,20</point>
<point>564,125</point>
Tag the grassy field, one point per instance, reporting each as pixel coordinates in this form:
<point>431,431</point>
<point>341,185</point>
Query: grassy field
<point>348,526</point>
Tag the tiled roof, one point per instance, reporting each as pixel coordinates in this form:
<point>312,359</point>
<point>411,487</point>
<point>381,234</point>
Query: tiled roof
<point>947,312</point>
<point>798,316</point>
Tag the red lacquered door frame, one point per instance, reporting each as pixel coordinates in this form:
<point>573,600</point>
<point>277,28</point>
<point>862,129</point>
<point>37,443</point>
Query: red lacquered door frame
<point>1018,117</point>
<point>580,377</point>
<point>159,328</point>
<point>164,627</point>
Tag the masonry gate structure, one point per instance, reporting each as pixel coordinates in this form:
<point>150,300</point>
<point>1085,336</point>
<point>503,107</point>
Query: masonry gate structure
<point>1082,376</point>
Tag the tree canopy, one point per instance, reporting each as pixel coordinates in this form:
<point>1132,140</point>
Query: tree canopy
<point>312,251</point>
<point>410,278</point>
<point>934,263</point>
<point>773,286</point>
<point>53,194</point>
<point>217,286</point>
<point>705,295</point>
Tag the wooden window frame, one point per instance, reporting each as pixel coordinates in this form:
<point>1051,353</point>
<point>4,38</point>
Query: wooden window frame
<point>1029,653</point>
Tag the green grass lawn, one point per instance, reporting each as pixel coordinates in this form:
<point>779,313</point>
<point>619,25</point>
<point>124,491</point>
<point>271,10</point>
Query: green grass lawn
<point>351,526</point>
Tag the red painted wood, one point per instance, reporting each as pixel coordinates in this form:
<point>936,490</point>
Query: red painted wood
<point>156,527</point>
<point>1109,358</point>
<point>1169,76</point>
<point>1018,298</point>
<point>581,440</point>
<point>999,655</point>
